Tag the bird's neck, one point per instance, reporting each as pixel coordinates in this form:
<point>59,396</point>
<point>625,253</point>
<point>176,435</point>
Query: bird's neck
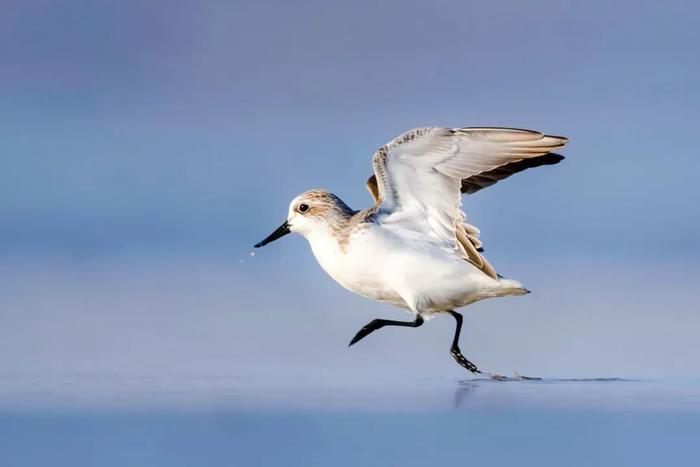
<point>328,235</point>
<point>328,239</point>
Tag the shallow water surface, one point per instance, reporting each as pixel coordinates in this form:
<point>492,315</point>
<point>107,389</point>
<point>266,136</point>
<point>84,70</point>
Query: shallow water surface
<point>111,421</point>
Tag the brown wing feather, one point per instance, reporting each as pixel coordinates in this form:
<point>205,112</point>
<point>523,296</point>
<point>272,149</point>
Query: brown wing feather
<point>471,253</point>
<point>373,189</point>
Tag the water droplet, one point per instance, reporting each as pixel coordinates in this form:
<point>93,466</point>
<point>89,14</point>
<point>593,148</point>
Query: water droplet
<point>252,253</point>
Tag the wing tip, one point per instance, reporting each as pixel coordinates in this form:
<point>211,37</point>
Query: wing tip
<point>551,158</point>
<point>562,140</point>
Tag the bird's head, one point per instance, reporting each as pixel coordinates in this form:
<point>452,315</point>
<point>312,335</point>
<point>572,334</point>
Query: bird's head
<point>311,211</point>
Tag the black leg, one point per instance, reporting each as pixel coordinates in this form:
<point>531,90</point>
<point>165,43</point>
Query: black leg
<point>454,350</point>
<point>380,323</point>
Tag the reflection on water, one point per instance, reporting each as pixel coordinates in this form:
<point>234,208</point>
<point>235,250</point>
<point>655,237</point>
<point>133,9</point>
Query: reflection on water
<point>462,392</point>
<point>117,421</point>
<point>467,387</point>
<point>128,392</point>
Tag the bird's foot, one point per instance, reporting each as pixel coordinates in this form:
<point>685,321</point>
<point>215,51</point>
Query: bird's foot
<point>380,323</point>
<point>461,359</point>
<point>365,331</point>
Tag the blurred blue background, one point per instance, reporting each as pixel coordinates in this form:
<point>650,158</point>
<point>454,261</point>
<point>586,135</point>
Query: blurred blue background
<point>145,146</point>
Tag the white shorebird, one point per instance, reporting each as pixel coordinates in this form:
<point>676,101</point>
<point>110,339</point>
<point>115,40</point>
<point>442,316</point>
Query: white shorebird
<point>413,248</point>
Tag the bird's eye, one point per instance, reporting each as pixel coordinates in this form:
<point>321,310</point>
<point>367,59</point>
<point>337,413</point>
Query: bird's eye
<point>303,207</point>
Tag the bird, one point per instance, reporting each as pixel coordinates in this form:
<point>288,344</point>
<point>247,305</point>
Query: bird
<point>414,248</point>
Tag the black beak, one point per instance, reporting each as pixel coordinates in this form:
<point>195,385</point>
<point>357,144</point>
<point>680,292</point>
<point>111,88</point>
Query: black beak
<point>280,232</point>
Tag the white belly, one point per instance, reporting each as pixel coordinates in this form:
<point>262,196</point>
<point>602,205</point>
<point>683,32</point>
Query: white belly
<point>417,276</point>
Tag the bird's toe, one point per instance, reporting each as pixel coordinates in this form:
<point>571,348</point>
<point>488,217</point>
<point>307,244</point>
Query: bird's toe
<point>459,358</point>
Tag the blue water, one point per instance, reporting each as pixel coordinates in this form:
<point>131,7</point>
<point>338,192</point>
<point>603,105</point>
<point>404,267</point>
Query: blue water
<point>109,421</point>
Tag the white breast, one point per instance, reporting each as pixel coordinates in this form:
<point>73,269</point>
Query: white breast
<point>360,265</point>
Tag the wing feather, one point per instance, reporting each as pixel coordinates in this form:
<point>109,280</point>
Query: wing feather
<point>421,174</point>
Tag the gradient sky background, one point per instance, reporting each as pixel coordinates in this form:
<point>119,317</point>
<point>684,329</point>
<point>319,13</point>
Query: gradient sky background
<point>145,146</point>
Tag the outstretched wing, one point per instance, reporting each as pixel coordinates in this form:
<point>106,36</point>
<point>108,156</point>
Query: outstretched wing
<point>486,179</point>
<point>421,174</point>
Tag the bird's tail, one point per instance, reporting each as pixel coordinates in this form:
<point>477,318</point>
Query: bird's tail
<point>512,287</point>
